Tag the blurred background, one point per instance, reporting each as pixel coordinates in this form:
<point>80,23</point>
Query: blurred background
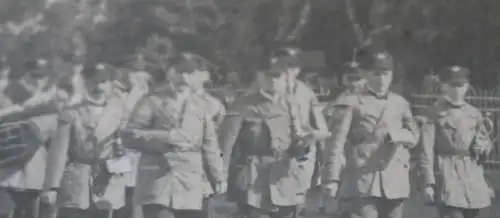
<point>236,36</point>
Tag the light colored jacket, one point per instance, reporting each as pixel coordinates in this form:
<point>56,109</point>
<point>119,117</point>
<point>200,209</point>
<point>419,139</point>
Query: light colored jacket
<point>74,164</point>
<point>256,137</point>
<point>358,154</point>
<point>447,163</point>
<point>167,175</point>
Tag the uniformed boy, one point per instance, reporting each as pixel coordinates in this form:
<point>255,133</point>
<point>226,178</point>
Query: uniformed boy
<point>454,140</point>
<point>288,60</point>
<point>263,150</point>
<point>353,82</point>
<point>176,137</point>
<point>88,171</point>
<point>371,135</point>
<point>22,170</point>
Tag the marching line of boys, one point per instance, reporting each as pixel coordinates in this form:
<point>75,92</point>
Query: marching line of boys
<point>160,153</point>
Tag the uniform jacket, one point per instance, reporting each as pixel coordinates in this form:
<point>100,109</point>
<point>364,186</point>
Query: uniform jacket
<point>86,137</point>
<point>256,137</point>
<point>446,161</point>
<point>216,108</point>
<point>311,113</point>
<point>31,175</point>
<point>167,175</point>
<point>357,155</point>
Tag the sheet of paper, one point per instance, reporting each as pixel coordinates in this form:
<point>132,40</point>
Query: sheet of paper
<point>119,165</point>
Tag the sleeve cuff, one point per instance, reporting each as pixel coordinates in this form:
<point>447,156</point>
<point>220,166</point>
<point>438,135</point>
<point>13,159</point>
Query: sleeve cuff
<point>403,137</point>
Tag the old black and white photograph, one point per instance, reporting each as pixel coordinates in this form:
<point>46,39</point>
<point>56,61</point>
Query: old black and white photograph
<point>249,108</point>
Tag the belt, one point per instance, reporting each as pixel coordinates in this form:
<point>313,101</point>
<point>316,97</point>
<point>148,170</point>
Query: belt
<point>83,161</point>
<point>87,160</point>
<point>453,152</point>
<point>191,149</point>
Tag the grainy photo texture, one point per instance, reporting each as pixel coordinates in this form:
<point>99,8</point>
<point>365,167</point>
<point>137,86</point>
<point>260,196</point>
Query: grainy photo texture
<point>249,109</point>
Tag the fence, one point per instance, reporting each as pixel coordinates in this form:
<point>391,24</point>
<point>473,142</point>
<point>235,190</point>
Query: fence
<point>487,101</point>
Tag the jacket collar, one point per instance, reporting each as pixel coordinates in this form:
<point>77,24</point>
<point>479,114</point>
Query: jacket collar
<point>378,95</point>
<point>454,104</point>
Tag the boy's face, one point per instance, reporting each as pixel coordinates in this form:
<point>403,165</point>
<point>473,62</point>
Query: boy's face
<point>201,78</point>
<point>272,82</point>
<point>101,83</point>
<point>379,79</point>
<point>104,86</point>
<point>293,72</point>
<point>455,91</point>
<point>188,80</point>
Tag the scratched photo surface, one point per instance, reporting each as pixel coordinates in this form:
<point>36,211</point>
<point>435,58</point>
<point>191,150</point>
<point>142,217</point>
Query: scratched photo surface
<point>249,109</point>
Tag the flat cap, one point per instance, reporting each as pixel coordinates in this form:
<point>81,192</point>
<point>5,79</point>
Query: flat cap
<point>187,62</point>
<point>376,60</point>
<point>454,75</point>
<point>288,57</point>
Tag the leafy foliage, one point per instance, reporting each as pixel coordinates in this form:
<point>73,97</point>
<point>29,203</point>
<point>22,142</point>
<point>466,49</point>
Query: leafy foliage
<point>237,35</point>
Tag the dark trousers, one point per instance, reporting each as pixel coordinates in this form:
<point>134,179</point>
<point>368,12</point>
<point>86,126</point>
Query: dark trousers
<point>160,211</point>
<point>48,211</point>
<point>130,210</point>
<point>454,212</point>
<point>248,211</point>
<point>65,212</point>
<point>6,204</point>
<point>375,208</point>
<point>20,204</point>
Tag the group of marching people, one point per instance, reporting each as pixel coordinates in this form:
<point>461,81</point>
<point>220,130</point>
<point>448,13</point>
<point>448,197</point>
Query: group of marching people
<point>95,145</point>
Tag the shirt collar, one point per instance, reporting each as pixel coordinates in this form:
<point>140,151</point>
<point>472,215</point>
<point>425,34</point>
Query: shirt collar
<point>378,95</point>
<point>455,104</point>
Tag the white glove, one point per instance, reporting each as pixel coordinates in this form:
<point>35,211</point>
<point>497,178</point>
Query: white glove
<point>428,194</point>
<point>221,187</point>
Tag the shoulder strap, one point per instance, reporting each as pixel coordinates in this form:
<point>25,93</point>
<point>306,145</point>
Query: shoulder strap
<point>159,111</point>
<point>379,122</point>
<point>110,120</point>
